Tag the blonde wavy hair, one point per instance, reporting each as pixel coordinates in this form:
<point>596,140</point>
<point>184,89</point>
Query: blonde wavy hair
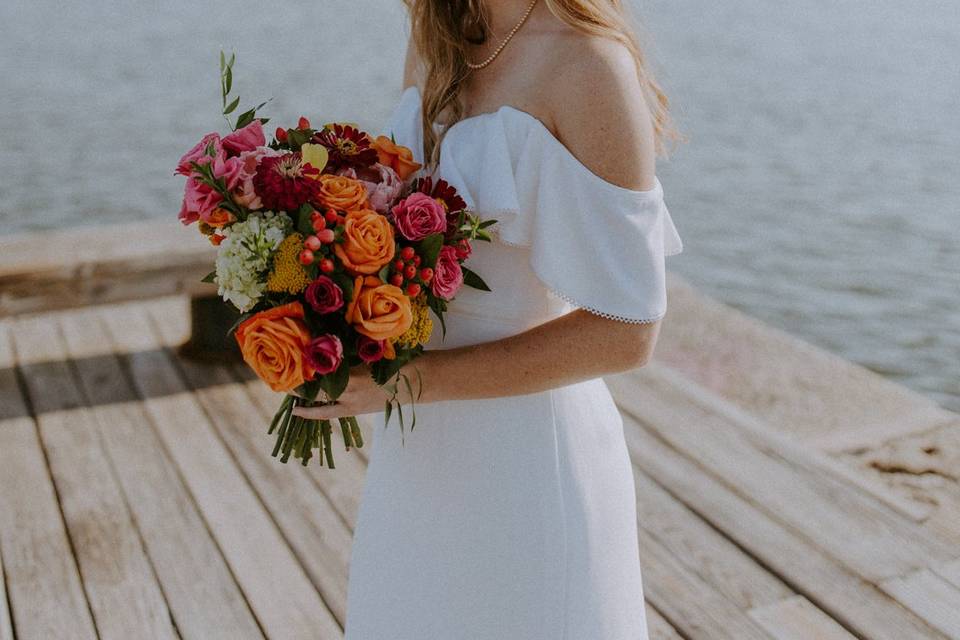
<point>441,30</point>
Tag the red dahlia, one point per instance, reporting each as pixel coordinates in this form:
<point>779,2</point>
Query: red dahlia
<point>285,182</point>
<point>447,194</point>
<point>347,147</point>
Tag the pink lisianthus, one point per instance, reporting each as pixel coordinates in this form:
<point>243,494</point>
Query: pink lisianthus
<point>382,183</point>
<point>324,353</point>
<point>199,201</point>
<point>245,194</point>
<point>447,274</point>
<point>230,169</point>
<point>370,350</point>
<point>199,154</point>
<point>246,139</point>
<point>418,215</point>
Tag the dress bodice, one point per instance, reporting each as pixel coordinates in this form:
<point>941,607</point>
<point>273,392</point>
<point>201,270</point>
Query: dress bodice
<point>565,237</point>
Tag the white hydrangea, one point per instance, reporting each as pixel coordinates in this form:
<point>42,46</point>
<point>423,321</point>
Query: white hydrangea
<point>244,256</point>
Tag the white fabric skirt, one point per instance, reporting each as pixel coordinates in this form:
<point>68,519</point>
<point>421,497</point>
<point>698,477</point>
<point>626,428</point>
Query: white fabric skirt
<point>511,518</point>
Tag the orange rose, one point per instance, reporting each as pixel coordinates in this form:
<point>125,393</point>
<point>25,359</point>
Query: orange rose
<point>396,156</point>
<point>378,310</point>
<point>342,192</point>
<point>368,242</point>
<point>272,343</point>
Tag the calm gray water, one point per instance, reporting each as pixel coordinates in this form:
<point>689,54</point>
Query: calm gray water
<point>820,189</point>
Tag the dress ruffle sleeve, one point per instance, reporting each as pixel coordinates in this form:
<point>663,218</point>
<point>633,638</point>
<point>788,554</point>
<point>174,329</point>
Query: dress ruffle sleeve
<point>595,244</point>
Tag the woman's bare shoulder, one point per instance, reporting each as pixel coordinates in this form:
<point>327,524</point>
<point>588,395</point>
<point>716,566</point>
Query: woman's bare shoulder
<point>599,110</point>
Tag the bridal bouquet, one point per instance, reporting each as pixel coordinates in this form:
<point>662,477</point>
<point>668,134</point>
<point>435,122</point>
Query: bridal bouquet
<point>334,248</point>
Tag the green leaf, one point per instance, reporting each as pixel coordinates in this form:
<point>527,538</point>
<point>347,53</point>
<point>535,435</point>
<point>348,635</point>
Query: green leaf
<point>244,119</point>
<point>228,81</point>
<point>209,277</point>
<point>335,383</point>
<point>387,410</point>
<point>486,223</point>
<point>304,225</point>
<point>429,249</point>
<point>233,105</point>
<point>223,61</point>
<point>471,279</point>
<point>384,273</point>
<point>345,282</point>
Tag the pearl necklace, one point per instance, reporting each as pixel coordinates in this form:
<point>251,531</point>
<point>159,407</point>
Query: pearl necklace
<point>497,51</point>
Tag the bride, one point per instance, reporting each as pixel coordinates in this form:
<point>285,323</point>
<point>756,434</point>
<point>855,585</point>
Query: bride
<point>509,512</point>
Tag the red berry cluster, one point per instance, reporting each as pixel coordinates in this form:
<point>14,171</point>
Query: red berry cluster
<point>323,225</point>
<point>406,270</point>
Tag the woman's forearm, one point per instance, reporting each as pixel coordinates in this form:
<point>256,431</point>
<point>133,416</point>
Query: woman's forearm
<point>574,347</point>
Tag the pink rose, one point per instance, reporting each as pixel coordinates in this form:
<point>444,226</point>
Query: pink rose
<point>246,139</point>
<point>324,295</point>
<point>447,274</point>
<point>370,350</point>
<point>324,353</point>
<point>199,154</point>
<point>418,215</point>
<point>382,183</point>
<point>199,201</point>
<point>245,194</point>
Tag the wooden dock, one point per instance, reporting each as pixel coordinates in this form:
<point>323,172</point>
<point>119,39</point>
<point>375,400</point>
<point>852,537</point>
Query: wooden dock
<point>138,499</point>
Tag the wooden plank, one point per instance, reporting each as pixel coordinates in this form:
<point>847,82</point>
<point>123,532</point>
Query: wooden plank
<point>90,265</point>
<point>702,550</point>
<point>121,587</point>
<point>931,597</point>
<point>309,522</point>
<point>698,611</point>
<point>6,628</point>
<point>39,566</point>
<point>275,584</point>
<point>949,572</point>
<point>796,618</point>
<point>657,626</point>
<point>203,597</point>
<point>853,526</point>
<point>852,601</point>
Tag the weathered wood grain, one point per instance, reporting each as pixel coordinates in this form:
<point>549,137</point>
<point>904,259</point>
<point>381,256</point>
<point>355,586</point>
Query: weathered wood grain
<point>276,586</point>
<point>657,626</point>
<point>796,618</point>
<point>848,598</point>
<point>697,610</point>
<point>90,265</point>
<point>853,526</point>
<point>931,597</point>
<point>702,550</point>
<point>309,522</point>
<point>123,593</point>
<point>202,595</point>
<point>6,628</point>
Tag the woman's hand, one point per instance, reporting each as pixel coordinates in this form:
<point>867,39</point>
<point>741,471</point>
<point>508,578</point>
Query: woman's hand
<point>362,395</point>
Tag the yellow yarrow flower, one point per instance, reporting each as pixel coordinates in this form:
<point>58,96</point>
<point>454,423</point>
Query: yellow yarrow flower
<point>420,329</point>
<point>288,275</point>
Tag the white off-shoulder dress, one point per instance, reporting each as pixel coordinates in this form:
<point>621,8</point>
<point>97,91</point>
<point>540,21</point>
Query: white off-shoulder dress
<point>514,518</point>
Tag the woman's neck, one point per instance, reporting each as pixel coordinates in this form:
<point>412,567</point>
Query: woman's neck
<point>503,15</point>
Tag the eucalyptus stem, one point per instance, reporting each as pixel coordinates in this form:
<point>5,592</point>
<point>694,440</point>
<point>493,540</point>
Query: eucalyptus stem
<point>345,428</point>
<point>327,428</point>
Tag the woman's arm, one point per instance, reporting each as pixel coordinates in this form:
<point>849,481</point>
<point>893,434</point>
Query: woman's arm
<point>577,346</point>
